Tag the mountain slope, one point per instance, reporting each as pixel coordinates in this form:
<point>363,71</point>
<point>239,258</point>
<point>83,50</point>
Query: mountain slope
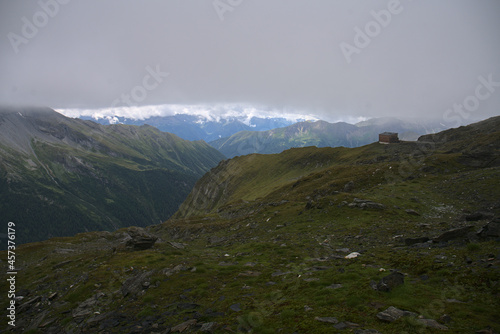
<point>312,240</point>
<point>247,178</point>
<point>61,176</point>
<point>319,134</point>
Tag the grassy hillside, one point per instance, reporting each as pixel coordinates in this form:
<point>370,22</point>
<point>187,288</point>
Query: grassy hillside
<point>61,176</point>
<point>262,245</point>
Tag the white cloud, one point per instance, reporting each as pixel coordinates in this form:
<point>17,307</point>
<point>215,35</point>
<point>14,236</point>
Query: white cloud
<point>206,112</point>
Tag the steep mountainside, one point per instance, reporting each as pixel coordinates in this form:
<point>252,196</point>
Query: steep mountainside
<point>61,176</point>
<point>319,134</point>
<point>398,238</point>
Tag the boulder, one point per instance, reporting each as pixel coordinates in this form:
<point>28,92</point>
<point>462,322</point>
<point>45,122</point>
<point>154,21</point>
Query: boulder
<point>413,241</point>
<point>391,281</point>
<point>235,307</point>
<point>135,284</point>
<point>478,215</point>
<point>456,233</point>
<point>140,239</point>
<point>349,186</point>
<point>412,212</point>
<point>208,327</point>
<point>392,314</point>
<point>330,320</point>
<point>490,230</point>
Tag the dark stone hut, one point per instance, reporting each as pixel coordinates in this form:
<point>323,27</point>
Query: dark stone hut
<point>388,138</point>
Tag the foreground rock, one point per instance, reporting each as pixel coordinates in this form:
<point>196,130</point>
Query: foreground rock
<point>391,281</point>
<point>490,230</point>
<point>456,233</point>
<point>330,320</point>
<point>136,284</point>
<point>392,314</point>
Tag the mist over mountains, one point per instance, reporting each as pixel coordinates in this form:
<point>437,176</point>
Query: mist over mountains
<point>239,130</point>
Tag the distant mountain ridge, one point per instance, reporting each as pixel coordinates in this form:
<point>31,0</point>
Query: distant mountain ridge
<point>61,176</point>
<point>320,134</point>
<point>198,127</point>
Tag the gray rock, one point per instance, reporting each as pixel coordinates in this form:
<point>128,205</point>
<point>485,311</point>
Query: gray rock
<point>26,305</point>
<point>86,307</point>
<point>345,325</point>
<point>334,286</point>
<point>213,240</point>
<point>177,245</point>
<point>374,205</point>
<point>412,212</point>
<point>174,270</point>
<point>349,186</point>
<point>362,203</point>
<point>431,323</point>
<point>490,230</point>
<point>235,307</point>
<point>391,281</point>
<point>392,314</point>
<point>139,239</point>
<point>183,326</point>
<point>134,285</point>
<point>330,320</point>
<point>312,279</point>
<point>453,234</point>
<point>208,327</point>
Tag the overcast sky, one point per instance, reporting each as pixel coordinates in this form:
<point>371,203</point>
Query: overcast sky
<point>325,57</point>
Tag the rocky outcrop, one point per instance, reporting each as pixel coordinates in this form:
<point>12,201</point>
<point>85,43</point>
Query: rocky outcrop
<point>136,284</point>
<point>456,233</point>
<point>392,314</point>
<point>139,239</point>
<point>490,230</point>
<point>365,204</point>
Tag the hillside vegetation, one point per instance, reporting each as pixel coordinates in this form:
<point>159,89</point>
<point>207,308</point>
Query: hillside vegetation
<point>399,238</point>
<point>60,176</point>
